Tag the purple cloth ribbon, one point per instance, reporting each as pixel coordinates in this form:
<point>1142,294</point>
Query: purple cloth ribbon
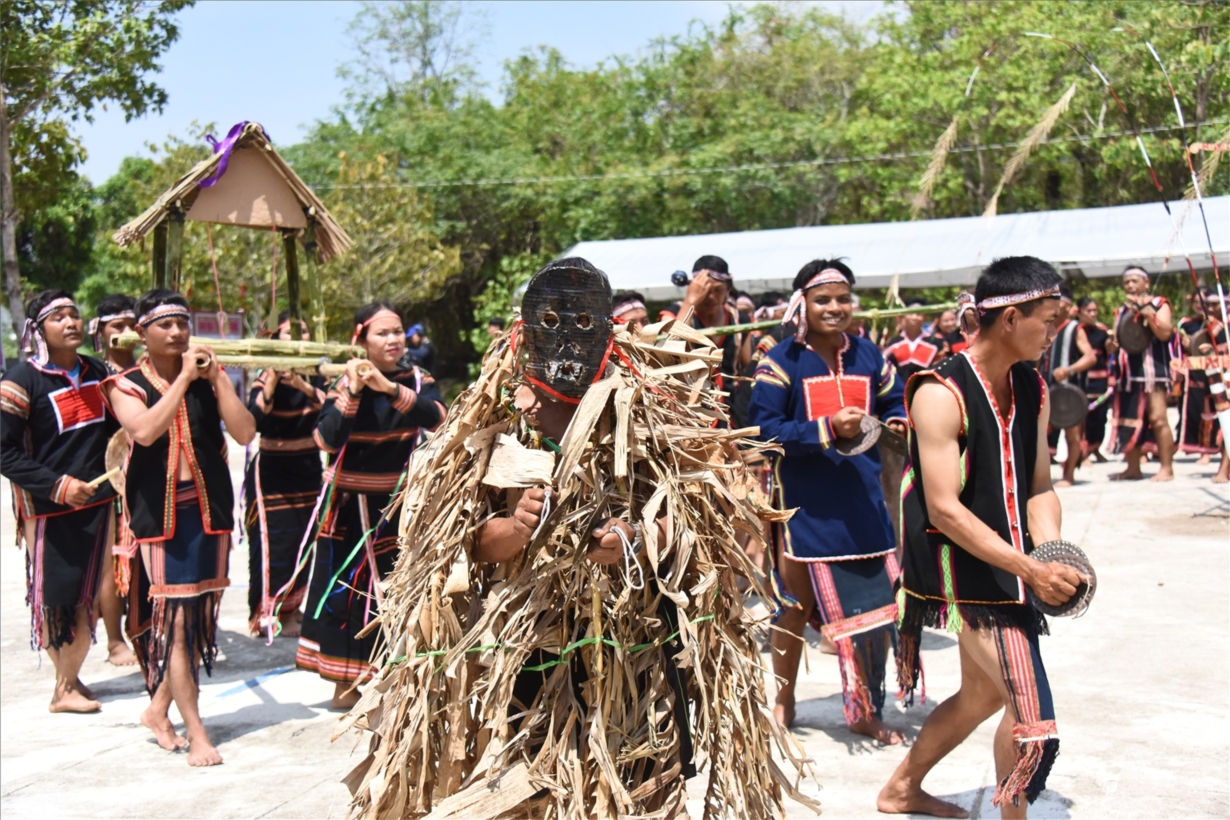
<point>225,147</point>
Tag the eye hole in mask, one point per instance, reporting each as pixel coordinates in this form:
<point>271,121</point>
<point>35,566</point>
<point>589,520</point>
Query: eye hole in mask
<point>583,321</point>
<point>550,319</point>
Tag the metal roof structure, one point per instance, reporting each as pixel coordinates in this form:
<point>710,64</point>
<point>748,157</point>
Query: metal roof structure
<point>1084,242</point>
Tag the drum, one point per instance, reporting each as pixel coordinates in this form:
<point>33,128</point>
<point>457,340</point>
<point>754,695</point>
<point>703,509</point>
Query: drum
<point>117,455</point>
<point>1065,552</point>
<point>1069,405</point>
<point>1132,334</point>
<point>868,434</point>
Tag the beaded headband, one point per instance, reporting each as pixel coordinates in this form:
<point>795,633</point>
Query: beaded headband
<point>1008,300</point>
<point>628,307</point>
<point>164,311</point>
<point>828,276</point>
<point>714,274</point>
<point>1142,273</point>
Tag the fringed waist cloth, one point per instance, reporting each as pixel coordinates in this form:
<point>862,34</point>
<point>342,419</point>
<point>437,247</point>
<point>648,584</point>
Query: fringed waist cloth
<point>341,598</point>
<point>1034,733</point>
<point>63,556</point>
<point>288,485</point>
<point>178,583</point>
<point>855,609</point>
<point>1131,419</point>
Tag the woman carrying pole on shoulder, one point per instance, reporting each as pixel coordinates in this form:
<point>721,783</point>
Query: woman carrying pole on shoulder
<point>282,484</point>
<point>369,425</point>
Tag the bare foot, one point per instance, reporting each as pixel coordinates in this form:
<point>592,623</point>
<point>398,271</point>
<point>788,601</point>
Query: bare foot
<point>290,626</point>
<point>1164,474</point>
<point>827,647</point>
<point>1128,475</point>
<point>202,753</point>
<point>875,728</point>
<point>72,700</point>
<point>1099,458</point>
<point>1221,478</point>
<point>343,699</point>
<point>1204,459</point>
<point>1063,482</point>
<point>118,654</point>
<point>898,798</point>
<point>163,731</point>
<point>784,712</point>
<point>83,689</point>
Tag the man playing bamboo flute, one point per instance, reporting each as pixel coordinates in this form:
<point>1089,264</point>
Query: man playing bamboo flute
<point>976,498</point>
<point>115,315</point>
<point>53,440</point>
<point>1142,384</point>
<point>835,558</point>
<point>281,487</point>
<point>180,506</point>
<point>564,636</point>
<point>369,425</point>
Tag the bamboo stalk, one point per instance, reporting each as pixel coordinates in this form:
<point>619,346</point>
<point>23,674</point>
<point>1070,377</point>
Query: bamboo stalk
<point>872,314</point>
<point>303,365</point>
<point>259,347</point>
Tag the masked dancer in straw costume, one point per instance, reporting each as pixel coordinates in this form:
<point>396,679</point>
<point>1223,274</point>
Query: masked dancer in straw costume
<point>976,498</point>
<point>835,559</point>
<point>115,316</point>
<point>565,637</point>
<point>180,506</point>
<point>53,441</point>
<point>280,490</point>
<point>369,426</point>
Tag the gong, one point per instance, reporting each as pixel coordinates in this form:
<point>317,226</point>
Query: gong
<point>1131,333</point>
<point>1069,405</point>
<point>862,441</point>
<point>1065,552</point>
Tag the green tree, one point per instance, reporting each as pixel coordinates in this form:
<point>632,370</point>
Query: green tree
<point>58,61</point>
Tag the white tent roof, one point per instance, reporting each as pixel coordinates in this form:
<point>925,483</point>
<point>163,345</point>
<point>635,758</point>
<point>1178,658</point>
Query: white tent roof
<point>1090,241</point>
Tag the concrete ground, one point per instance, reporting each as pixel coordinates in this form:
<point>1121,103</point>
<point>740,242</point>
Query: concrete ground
<point>1140,688</point>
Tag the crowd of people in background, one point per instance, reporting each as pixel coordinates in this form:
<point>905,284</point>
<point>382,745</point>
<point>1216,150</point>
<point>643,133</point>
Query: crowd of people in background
<point>159,550</point>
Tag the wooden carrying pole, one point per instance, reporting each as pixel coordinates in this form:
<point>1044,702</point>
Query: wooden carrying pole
<point>259,347</point>
<point>175,247</point>
<point>159,260</point>
<point>316,297</point>
<point>292,279</point>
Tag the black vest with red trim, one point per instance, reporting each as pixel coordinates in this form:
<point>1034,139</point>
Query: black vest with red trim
<point>997,471</point>
<point>151,471</point>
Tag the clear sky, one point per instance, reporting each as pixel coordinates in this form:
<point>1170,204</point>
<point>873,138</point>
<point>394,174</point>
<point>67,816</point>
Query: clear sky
<point>276,62</point>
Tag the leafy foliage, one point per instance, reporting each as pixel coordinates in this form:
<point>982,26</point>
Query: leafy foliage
<point>780,116</point>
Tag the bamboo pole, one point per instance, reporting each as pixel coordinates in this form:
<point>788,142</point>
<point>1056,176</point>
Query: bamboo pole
<point>872,314</point>
<point>158,261</point>
<point>175,247</point>
<point>259,347</point>
<point>303,365</point>
<point>292,279</point>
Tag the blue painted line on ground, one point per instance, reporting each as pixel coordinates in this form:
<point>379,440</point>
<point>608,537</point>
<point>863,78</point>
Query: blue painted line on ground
<point>256,681</point>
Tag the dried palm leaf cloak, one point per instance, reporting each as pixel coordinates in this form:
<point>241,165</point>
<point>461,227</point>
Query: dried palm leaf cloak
<point>606,734</point>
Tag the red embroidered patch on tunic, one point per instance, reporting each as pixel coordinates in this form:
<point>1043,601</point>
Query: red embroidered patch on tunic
<point>824,398</point>
<point>77,408</point>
